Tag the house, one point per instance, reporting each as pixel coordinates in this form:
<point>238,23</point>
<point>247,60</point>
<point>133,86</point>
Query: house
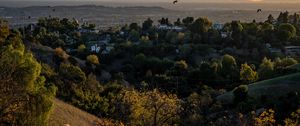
<point>105,38</point>
<point>292,50</point>
<point>95,48</point>
<point>168,27</point>
<point>274,50</point>
<point>98,43</point>
<point>225,34</point>
<point>107,49</point>
<point>271,49</point>
<point>71,50</point>
<point>217,26</point>
<point>83,30</point>
<point>32,27</point>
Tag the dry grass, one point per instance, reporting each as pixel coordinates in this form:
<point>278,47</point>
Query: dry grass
<point>64,113</point>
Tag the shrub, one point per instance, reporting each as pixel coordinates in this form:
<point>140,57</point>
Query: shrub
<point>93,59</point>
<point>240,93</point>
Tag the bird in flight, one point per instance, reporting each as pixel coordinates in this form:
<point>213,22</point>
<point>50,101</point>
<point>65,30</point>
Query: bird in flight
<point>259,10</point>
<point>175,1</point>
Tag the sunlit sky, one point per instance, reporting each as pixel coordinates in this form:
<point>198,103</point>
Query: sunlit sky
<point>225,1</point>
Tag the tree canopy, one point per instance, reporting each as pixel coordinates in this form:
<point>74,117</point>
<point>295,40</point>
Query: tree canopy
<point>24,98</point>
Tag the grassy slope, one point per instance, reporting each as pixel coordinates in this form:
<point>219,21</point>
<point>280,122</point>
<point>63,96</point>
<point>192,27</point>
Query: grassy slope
<point>273,88</point>
<point>296,67</point>
<point>64,113</point>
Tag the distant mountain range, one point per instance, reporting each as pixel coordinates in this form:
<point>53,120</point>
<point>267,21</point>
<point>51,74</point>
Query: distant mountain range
<point>108,16</point>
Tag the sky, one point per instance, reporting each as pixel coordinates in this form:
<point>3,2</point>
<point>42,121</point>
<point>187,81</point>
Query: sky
<point>251,1</point>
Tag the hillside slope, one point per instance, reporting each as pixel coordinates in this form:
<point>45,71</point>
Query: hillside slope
<point>64,113</point>
<point>295,67</point>
<point>272,88</point>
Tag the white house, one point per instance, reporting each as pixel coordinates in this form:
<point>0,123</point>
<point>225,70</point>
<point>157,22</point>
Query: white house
<point>166,27</point>
<point>273,50</point>
<point>225,34</point>
<point>95,48</point>
<point>107,49</point>
<point>217,26</point>
<point>82,30</point>
<point>292,50</point>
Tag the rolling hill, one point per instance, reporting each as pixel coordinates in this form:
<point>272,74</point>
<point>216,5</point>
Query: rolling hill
<point>272,88</point>
<point>295,67</point>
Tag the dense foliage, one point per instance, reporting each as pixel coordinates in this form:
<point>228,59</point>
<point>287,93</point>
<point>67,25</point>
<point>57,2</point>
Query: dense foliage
<point>25,98</point>
<point>170,74</point>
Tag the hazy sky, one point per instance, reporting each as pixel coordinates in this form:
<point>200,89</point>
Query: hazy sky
<point>262,1</point>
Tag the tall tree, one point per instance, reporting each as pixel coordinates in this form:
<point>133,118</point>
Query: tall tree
<point>296,19</point>
<point>271,19</point>
<point>283,17</point>
<point>24,98</point>
<point>200,26</point>
<point>229,68</point>
<point>286,31</point>
<point>266,69</point>
<point>134,26</point>
<point>4,30</point>
<point>147,24</point>
<point>178,22</point>
<point>188,20</point>
<point>237,29</point>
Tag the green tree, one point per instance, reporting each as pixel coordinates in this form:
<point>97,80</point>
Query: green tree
<point>229,68</point>
<point>81,48</point>
<point>200,26</point>
<point>171,37</point>
<point>240,93</point>
<point>72,73</point>
<point>134,26</point>
<point>267,32</point>
<point>69,77</point>
<point>251,28</point>
<point>207,73</point>
<point>91,26</point>
<point>283,17</point>
<point>178,22</point>
<point>188,20</point>
<point>147,24</point>
<point>266,69</point>
<point>286,31</point>
<point>181,65</point>
<point>134,35</point>
<point>285,62</point>
<point>4,30</point>
<point>247,74</point>
<point>237,30</point>
<point>271,19</point>
<point>24,98</point>
<point>295,19</point>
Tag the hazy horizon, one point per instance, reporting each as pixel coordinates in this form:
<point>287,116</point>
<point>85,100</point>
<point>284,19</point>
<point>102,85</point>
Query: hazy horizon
<point>164,1</point>
<point>270,5</point>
